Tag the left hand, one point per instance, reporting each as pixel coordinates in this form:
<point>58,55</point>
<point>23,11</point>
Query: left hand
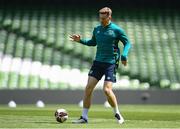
<point>124,63</point>
<point>124,60</point>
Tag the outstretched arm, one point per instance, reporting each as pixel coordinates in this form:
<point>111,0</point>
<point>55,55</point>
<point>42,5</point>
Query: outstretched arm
<point>88,42</point>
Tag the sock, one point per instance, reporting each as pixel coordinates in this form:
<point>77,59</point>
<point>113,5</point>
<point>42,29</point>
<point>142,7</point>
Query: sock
<point>116,110</point>
<point>85,113</point>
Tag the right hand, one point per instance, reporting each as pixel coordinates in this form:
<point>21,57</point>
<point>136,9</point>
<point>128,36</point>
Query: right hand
<point>75,37</point>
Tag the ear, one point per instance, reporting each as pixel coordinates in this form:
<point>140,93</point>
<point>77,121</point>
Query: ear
<point>110,17</point>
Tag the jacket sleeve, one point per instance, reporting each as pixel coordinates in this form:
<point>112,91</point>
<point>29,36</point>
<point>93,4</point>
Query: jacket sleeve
<point>127,45</point>
<point>89,42</point>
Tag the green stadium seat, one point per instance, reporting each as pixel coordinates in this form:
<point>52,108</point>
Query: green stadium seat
<point>14,73</point>
<point>10,44</point>
<point>3,38</point>
<point>33,24</point>
<point>38,52</point>
<point>42,26</point>
<point>23,82</point>
<point>44,76</point>
<point>34,75</point>
<point>19,47</point>
<point>16,21</point>
<point>1,16</point>
<point>25,22</point>
<point>7,20</point>
<point>47,55</point>
<point>54,77</point>
<point>4,71</point>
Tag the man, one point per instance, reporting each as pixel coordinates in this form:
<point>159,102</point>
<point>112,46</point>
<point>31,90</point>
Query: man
<point>106,37</point>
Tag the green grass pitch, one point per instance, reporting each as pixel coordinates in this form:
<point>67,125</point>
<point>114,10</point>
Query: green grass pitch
<point>136,116</point>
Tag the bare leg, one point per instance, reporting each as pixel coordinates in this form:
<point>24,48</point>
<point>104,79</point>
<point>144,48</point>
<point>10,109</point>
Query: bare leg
<point>110,94</point>
<point>88,91</point>
<point>112,101</point>
<point>88,95</point>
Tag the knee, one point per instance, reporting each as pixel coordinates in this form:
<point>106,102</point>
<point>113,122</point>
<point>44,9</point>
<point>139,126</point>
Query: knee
<point>107,91</point>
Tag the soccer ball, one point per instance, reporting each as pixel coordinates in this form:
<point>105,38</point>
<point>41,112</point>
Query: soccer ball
<point>61,115</point>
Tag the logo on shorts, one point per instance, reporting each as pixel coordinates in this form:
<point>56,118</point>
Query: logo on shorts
<point>91,71</point>
<point>108,78</point>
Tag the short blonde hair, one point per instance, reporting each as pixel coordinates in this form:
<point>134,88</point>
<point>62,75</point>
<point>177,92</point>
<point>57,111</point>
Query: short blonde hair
<point>106,10</point>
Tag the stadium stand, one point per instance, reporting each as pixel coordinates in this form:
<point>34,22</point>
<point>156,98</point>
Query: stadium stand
<point>35,50</point>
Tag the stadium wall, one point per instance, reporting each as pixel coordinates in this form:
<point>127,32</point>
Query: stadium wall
<point>74,96</point>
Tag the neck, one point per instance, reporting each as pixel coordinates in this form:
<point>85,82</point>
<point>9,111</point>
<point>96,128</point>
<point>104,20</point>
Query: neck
<point>106,24</point>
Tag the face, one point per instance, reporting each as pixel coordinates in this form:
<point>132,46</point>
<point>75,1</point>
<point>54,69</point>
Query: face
<point>104,19</point>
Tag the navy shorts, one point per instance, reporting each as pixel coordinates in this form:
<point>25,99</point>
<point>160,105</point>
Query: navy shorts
<point>99,69</point>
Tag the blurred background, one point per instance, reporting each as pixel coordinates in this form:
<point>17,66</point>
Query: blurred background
<point>37,60</point>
